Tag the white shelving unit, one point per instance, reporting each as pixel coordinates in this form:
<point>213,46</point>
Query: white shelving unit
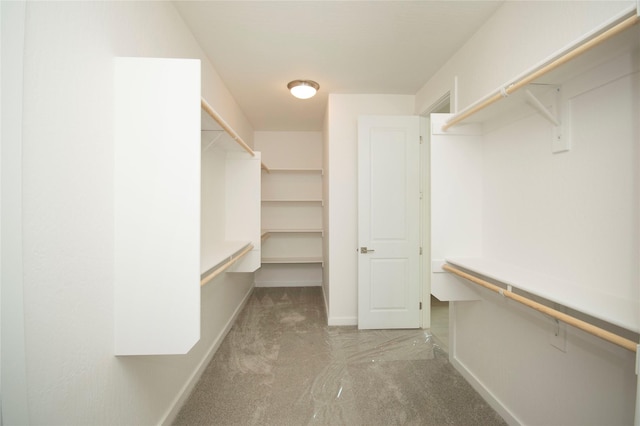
<point>480,186</point>
<point>157,206</point>
<point>292,216</point>
<point>230,217</point>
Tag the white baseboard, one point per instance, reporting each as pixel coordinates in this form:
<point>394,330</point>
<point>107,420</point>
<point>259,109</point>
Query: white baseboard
<point>338,321</point>
<point>326,304</point>
<point>486,394</point>
<point>184,393</point>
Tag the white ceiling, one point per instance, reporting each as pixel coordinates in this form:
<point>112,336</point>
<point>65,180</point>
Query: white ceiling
<point>373,47</point>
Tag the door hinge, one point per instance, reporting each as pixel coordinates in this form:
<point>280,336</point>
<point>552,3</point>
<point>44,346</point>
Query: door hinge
<point>420,305</point>
<point>420,250</point>
<point>420,139</point>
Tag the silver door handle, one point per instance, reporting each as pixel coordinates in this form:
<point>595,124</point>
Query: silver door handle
<point>365,250</point>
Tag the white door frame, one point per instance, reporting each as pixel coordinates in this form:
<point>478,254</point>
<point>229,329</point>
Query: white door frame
<point>439,105</point>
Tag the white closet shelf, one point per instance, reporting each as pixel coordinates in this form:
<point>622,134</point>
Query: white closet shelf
<point>569,62</point>
<point>292,260</point>
<point>296,170</point>
<point>220,253</point>
<point>294,231</point>
<point>267,233</point>
<point>618,311</point>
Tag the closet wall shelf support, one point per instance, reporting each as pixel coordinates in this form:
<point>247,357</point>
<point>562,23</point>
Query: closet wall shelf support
<point>568,319</point>
<point>555,63</point>
<point>213,114</point>
<point>226,265</point>
<point>213,141</point>
<point>549,115</point>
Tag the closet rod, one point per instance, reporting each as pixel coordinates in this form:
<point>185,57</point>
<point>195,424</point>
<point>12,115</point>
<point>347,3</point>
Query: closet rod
<point>568,319</point>
<point>225,265</point>
<point>615,30</point>
<point>225,126</point>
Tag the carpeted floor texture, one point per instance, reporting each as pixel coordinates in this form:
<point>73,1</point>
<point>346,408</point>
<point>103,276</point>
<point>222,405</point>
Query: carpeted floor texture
<point>282,365</point>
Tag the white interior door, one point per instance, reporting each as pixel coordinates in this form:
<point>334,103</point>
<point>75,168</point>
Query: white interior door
<point>388,222</point>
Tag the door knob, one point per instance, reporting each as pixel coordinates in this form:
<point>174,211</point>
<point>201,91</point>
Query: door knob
<point>365,250</point>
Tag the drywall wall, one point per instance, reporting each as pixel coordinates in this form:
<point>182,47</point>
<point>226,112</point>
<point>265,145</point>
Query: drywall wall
<point>342,228</point>
<point>67,165</point>
<point>573,216</point>
<point>290,150</point>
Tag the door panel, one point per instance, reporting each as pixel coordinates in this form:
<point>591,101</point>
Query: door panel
<point>388,222</point>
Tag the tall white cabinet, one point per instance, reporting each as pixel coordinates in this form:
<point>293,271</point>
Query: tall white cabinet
<point>186,204</point>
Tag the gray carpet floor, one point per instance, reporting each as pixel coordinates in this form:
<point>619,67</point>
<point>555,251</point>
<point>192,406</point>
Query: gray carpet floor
<point>282,365</point>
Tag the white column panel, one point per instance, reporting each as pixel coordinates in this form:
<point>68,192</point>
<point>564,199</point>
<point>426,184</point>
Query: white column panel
<point>157,205</point>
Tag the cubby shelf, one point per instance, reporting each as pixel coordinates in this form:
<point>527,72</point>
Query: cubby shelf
<point>292,215</point>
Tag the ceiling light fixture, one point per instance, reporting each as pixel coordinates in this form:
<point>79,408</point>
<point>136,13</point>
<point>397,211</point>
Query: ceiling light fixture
<point>303,89</point>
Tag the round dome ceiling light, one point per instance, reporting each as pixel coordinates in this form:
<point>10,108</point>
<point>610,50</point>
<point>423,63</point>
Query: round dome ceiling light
<point>303,89</point>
